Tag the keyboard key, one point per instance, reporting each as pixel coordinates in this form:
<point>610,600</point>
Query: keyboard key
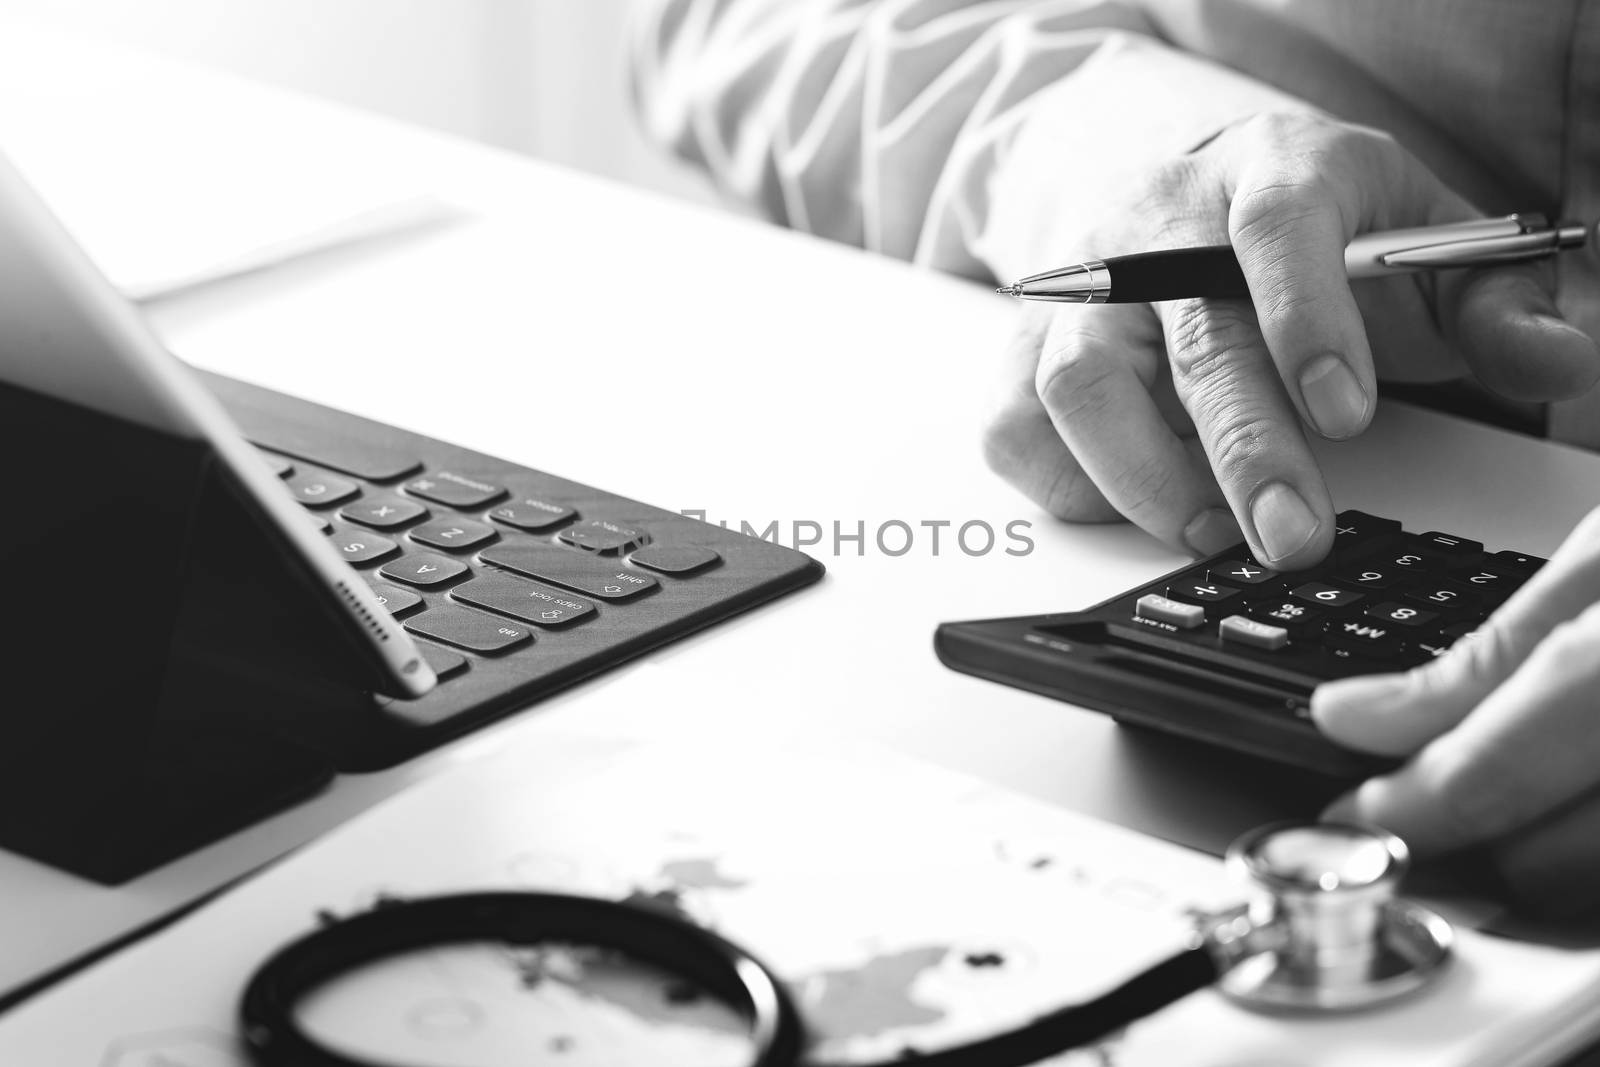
<point>394,599</point>
<point>456,534</point>
<point>602,535</point>
<point>1400,615</point>
<point>541,605</point>
<point>1451,547</point>
<point>1236,572</point>
<point>1408,559</point>
<point>1200,591</point>
<point>1370,577</point>
<point>424,569</point>
<point>444,662</point>
<point>358,547</point>
<point>1459,631</point>
<point>468,629</point>
<point>576,570</point>
<point>317,490</point>
<point>1362,636</point>
<point>1517,563</point>
<point>359,455</point>
<point>1489,584</point>
<point>1291,615</point>
<point>454,490</point>
<point>1431,647</point>
<point>532,515</point>
<point>1442,594</point>
<point>675,559</point>
<point>1329,597</point>
<point>1356,532</point>
<point>383,512</point>
<point>1238,630</point>
<point>1160,609</point>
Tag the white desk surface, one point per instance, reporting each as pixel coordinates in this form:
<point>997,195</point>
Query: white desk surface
<point>696,361</point>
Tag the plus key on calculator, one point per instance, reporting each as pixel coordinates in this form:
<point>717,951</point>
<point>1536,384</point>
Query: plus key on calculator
<point>1228,650</point>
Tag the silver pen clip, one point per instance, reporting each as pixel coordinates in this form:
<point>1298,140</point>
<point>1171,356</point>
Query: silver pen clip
<point>1513,239</point>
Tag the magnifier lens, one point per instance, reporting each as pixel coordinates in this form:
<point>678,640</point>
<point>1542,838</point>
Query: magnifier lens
<point>488,1004</point>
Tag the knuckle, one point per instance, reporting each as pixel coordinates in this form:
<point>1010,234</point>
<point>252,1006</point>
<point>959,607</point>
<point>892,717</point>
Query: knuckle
<point>1265,218</point>
<point>1074,379</point>
<point>1239,439</point>
<point>1205,338</point>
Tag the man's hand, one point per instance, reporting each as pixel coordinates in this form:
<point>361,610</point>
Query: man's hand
<point>1185,417</point>
<point>1503,735</point>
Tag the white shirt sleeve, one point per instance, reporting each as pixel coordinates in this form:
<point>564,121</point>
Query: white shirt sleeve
<point>932,130</point>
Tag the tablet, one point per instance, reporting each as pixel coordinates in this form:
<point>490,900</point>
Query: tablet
<point>66,333</point>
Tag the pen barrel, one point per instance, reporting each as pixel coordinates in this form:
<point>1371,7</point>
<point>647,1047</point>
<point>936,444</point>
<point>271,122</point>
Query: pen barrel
<point>1146,277</point>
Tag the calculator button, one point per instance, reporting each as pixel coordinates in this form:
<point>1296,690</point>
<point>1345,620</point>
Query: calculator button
<point>1330,597</point>
<point>1370,577</point>
<point>321,490</point>
<point>1236,629</point>
<point>1160,609</point>
<point>455,534</point>
<point>579,571</point>
<point>1517,563</point>
<point>532,515</point>
<point>1365,637</point>
<point>1441,594</point>
<point>1400,614</point>
<point>383,512</point>
<point>1431,647</point>
<point>1289,614</point>
<point>395,599</point>
<point>1200,591</point>
<point>542,605</point>
<point>675,559</point>
<point>1487,583</point>
<point>1356,532</point>
<point>1461,630</point>
<point>454,490</point>
<point>472,630</point>
<point>1238,572</point>
<point>602,535</point>
<point>424,569</point>
<point>358,547</point>
<point>1450,546</point>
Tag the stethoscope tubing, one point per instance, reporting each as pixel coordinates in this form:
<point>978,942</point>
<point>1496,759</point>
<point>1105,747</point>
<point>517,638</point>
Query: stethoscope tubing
<point>275,1038</point>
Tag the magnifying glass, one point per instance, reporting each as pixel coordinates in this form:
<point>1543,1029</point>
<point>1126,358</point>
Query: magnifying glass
<point>1321,930</point>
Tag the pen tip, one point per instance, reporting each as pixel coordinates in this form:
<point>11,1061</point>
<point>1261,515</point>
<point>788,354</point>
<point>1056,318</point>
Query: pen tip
<point>1008,290</point>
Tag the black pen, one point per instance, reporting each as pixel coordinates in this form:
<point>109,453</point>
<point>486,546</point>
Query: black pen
<point>1214,271</point>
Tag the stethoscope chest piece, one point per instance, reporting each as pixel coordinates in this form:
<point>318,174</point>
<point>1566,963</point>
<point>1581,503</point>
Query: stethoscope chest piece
<point>1326,929</point>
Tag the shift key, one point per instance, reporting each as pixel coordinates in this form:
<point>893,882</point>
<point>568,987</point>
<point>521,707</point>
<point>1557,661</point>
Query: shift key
<point>561,566</point>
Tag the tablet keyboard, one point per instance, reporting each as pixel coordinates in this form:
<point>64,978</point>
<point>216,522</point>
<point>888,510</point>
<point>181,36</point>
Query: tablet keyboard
<point>513,582</point>
<point>1228,651</point>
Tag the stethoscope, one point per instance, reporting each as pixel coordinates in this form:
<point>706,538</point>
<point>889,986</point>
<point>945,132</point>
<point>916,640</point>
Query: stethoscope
<point>1321,930</point>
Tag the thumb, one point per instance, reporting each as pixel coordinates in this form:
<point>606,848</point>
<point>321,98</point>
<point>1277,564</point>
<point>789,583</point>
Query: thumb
<point>1505,322</point>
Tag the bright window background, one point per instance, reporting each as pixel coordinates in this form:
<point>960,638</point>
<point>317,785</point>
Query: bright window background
<point>545,77</point>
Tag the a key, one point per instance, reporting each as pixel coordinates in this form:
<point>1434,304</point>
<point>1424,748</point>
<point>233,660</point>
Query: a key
<point>542,605</point>
<point>1236,572</point>
<point>1490,584</point>
<point>1517,563</point>
<point>1450,547</point>
<point>383,512</point>
<point>1442,594</point>
<point>1400,614</point>
<point>1291,615</point>
<point>424,569</point>
<point>394,599</point>
<point>601,535</point>
<point>358,455</point>
<point>531,514</point>
<point>465,628</point>
<point>675,559</point>
<point>1328,597</point>
<point>1366,637</point>
<point>317,490</point>
<point>1200,591</point>
<point>1176,613</point>
<point>592,575</point>
<point>1356,533</point>
<point>361,547</point>
<point>454,534</point>
<point>1239,630</point>
<point>444,662</point>
<point>454,490</point>
<point>1370,577</point>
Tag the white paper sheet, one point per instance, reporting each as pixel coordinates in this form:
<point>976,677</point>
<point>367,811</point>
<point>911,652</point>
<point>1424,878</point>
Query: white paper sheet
<point>907,907</point>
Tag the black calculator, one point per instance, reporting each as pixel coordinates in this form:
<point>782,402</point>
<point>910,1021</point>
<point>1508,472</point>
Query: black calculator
<point>1227,651</point>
